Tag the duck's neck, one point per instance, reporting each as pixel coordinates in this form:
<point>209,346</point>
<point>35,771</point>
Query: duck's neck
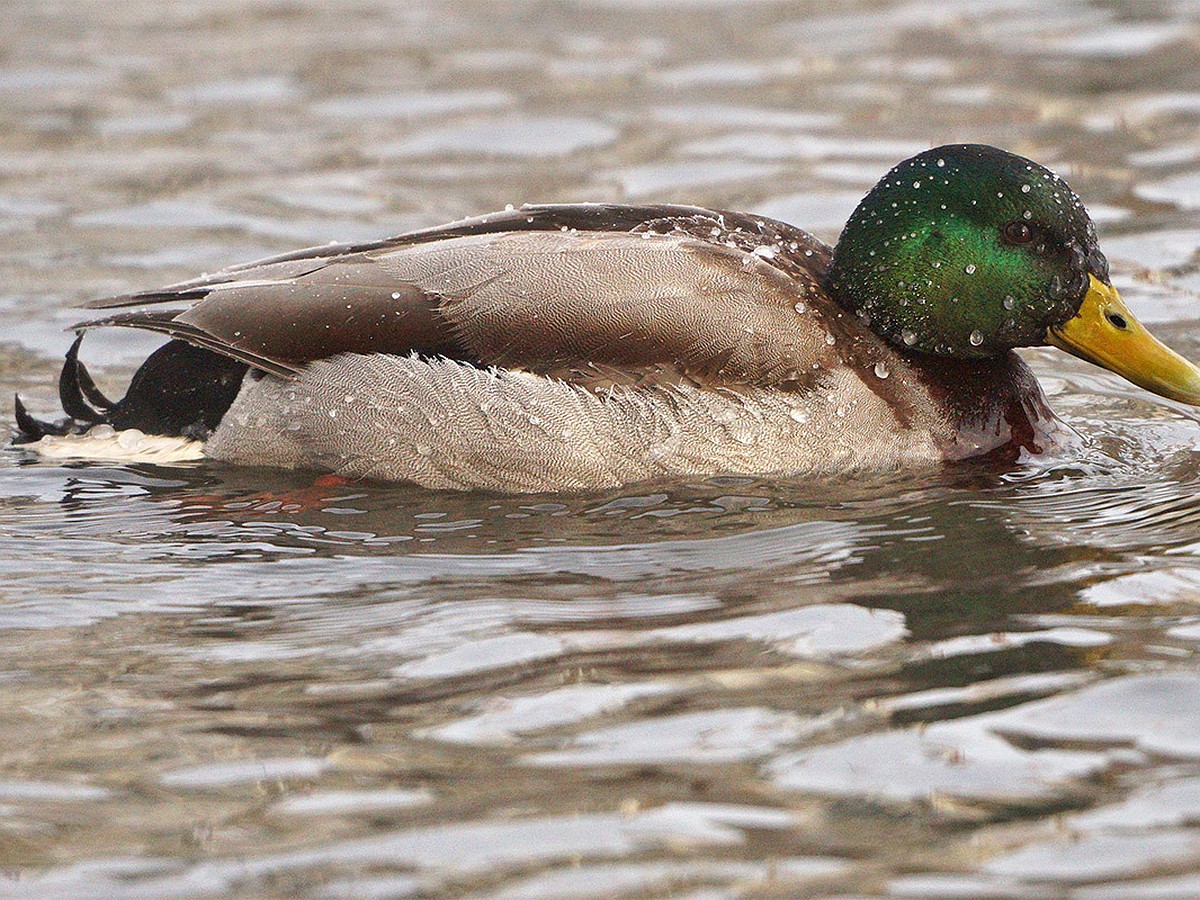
<point>993,405</point>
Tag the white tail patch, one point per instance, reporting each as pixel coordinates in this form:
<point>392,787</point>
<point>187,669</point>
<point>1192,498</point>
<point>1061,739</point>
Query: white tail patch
<point>129,446</point>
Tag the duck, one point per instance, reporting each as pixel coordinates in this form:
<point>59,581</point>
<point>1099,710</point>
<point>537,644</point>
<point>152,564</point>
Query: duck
<point>591,345</point>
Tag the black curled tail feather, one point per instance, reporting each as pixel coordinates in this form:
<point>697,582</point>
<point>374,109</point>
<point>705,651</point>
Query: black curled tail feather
<point>74,384</point>
<point>179,391</point>
<point>30,429</point>
<point>76,388</point>
<point>84,379</point>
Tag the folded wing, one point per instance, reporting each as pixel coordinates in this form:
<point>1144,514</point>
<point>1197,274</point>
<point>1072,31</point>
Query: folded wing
<point>578,292</point>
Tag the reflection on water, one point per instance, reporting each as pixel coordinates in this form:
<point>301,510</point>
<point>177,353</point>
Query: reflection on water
<point>229,681</point>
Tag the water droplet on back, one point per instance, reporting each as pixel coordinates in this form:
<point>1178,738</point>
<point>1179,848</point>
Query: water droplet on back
<point>881,370</point>
<point>976,338</point>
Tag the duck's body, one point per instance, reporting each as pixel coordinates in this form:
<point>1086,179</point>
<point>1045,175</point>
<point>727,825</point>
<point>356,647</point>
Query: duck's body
<point>569,347</point>
<point>554,347</point>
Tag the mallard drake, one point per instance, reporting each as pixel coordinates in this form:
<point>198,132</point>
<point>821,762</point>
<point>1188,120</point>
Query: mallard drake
<point>588,345</point>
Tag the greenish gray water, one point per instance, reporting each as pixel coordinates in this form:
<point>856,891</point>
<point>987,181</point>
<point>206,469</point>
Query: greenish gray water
<point>244,683</point>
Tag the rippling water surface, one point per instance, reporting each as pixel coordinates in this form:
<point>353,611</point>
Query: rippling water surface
<point>225,681</point>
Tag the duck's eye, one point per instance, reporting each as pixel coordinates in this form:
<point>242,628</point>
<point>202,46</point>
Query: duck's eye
<point>1018,233</point>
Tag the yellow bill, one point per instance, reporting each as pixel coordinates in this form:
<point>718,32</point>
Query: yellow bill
<point>1104,332</point>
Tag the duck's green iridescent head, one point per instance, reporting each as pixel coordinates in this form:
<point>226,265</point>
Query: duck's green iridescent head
<point>969,251</point>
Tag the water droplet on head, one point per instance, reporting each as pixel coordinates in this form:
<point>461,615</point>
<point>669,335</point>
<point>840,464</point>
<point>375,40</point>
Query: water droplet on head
<point>976,338</point>
<point>970,270</point>
<point>1010,301</point>
<point>916,184</point>
<point>908,336</point>
<point>1024,189</point>
<point>941,164</point>
<point>801,307</point>
<point>881,370</point>
<point>936,264</point>
<point>799,415</point>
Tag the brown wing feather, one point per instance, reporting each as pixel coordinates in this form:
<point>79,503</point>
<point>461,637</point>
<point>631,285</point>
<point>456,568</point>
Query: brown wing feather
<point>546,300</point>
<point>168,322</point>
<point>542,217</point>
<point>741,229</point>
<point>675,292</point>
